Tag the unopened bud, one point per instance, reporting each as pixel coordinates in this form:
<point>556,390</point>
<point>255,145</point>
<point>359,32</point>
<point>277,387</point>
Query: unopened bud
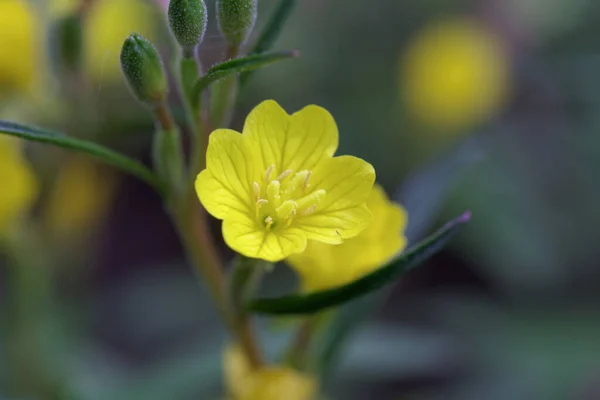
<point>143,70</point>
<point>188,19</point>
<point>236,19</point>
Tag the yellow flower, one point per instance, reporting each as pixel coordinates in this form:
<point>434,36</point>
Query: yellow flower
<point>18,181</point>
<point>277,184</point>
<point>77,202</point>
<point>322,266</point>
<point>19,46</point>
<point>455,75</point>
<point>268,383</point>
<point>106,27</point>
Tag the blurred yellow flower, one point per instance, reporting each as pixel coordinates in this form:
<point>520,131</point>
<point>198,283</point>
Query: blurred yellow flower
<point>18,181</point>
<point>455,75</point>
<point>19,46</point>
<point>277,184</point>
<point>322,266</point>
<point>77,201</point>
<point>106,28</point>
<point>268,383</point>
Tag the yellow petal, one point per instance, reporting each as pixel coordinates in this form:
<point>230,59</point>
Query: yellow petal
<point>388,216</point>
<point>342,213</point>
<point>334,226</point>
<point>225,187</point>
<point>295,142</point>
<point>348,181</point>
<point>323,266</point>
<point>245,236</point>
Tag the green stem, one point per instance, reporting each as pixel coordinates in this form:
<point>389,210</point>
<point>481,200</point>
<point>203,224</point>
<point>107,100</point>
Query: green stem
<point>191,220</point>
<point>189,71</point>
<point>192,225</point>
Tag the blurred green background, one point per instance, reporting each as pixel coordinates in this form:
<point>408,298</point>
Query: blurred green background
<point>491,106</point>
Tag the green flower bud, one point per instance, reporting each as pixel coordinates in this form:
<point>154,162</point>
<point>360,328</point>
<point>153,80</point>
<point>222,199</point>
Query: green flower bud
<point>143,70</point>
<point>188,19</point>
<point>67,44</point>
<point>236,19</point>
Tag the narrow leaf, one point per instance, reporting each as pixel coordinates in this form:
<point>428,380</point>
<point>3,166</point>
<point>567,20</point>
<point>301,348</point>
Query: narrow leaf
<point>238,65</point>
<point>318,301</point>
<point>271,31</point>
<point>274,26</point>
<point>422,195</point>
<point>111,157</point>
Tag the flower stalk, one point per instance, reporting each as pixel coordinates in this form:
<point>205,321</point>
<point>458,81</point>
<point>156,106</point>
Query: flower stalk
<point>188,216</point>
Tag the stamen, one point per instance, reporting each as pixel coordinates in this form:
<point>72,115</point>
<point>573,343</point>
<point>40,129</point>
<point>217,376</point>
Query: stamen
<point>312,199</point>
<point>268,172</point>
<point>306,179</point>
<point>284,174</point>
<point>296,182</point>
<point>274,193</point>
<point>285,197</point>
<point>256,188</point>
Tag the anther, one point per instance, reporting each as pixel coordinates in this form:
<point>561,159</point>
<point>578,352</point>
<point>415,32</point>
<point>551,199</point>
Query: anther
<point>256,189</point>
<point>306,179</point>
<point>260,202</point>
<point>273,190</point>
<point>268,172</point>
<point>311,199</point>
<point>284,174</point>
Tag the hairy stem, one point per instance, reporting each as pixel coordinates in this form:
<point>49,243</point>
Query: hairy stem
<point>192,220</point>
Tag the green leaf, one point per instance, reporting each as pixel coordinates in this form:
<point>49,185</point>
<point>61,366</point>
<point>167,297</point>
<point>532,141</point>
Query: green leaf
<point>238,65</point>
<point>274,26</point>
<point>422,195</point>
<point>111,157</point>
<point>271,31</point>
<point>318,301</point>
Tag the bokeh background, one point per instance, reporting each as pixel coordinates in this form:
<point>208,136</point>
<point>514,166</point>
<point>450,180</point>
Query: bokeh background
<point>491,106</point>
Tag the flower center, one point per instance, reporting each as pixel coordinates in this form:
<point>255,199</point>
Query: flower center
<point>279,200</point>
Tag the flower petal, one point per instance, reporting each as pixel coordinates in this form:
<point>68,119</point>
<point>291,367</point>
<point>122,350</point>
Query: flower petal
<point>225,187</point>
<point>336,225</point>
<point>388,217</point>
<point>348,181</point>
<point>342,213</point>
<point>295,142</point>
<point>246,237</point>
